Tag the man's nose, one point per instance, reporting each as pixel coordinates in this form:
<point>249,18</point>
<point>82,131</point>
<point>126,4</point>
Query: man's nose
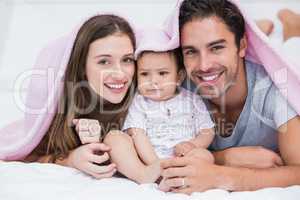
<point>205,62</point>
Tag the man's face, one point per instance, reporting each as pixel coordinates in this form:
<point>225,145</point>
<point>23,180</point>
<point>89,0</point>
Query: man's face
<point>211,56</point>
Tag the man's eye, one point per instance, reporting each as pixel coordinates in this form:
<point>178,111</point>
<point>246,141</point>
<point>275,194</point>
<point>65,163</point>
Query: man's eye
<point>163,73</point>
<point>128,60</point>
<point>103,62</point>
<point>216,49</point>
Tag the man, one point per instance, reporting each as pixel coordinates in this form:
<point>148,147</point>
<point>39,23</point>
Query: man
<point>258,132</point>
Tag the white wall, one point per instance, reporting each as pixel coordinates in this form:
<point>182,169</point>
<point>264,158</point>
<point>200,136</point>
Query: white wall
<point>28,25</point>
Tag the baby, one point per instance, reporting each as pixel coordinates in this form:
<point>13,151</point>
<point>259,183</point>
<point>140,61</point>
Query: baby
<point>164,119</point>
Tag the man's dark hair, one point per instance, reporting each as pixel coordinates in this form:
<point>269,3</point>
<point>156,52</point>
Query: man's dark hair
<point>225,10</point>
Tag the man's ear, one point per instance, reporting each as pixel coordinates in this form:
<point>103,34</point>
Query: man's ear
<point>181,77</point>
<point>243,46</point>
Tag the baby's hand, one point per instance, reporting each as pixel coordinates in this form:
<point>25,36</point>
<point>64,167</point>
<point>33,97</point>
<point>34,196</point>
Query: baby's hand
<point>183,148</point>
<point>89,130</point>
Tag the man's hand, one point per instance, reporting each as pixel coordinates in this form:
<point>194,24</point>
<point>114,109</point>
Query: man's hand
<point>194,172</point>
<point>249,157</point>
<point>183,148</point>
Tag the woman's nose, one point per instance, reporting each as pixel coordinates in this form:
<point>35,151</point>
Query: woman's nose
<point>117,72</point>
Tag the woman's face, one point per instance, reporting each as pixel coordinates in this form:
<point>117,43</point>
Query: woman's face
<point>110,66</point>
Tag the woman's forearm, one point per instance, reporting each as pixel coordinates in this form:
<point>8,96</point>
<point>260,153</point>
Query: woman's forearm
<point>64,161</point>
<point>59,161</point>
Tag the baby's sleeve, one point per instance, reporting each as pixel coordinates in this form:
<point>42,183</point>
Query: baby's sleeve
<point>201,115</point>
<point>136,117</point>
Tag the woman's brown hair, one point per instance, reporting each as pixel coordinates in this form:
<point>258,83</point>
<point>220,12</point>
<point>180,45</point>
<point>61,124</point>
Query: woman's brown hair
<point>61,137</point>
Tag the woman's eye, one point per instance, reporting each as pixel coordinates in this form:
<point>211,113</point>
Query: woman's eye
<point>163,73</point>
<point>128,60</point>
<point>103,62</point>
<point>216,49</point>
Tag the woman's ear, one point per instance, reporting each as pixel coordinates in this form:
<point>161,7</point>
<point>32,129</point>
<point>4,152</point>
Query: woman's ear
<point>181,76</point>
<point>243,47</point>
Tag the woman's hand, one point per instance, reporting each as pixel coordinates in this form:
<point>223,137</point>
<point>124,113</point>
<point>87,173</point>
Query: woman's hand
<point>250,157</point>
<point>85,159</point>
<point>89,130</point>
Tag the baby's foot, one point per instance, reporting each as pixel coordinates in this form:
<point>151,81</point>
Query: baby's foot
<point>163,187</point>
<point>290,22</point>
<point>265,26</point>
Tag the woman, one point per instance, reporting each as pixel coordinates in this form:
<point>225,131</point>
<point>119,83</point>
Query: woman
<point>98,71</point>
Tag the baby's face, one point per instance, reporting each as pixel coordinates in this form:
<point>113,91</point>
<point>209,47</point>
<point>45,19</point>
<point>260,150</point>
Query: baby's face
<point>157,76</point>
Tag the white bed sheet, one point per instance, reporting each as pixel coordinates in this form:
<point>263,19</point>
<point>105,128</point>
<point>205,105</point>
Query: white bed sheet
<point>35,181</point>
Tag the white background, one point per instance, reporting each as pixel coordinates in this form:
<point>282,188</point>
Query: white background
<point>28,25</point>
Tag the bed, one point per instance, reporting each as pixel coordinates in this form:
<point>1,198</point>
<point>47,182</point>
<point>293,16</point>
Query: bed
<point>35,181</point>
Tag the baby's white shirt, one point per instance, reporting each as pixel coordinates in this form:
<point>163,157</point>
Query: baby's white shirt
<point>169,122</point>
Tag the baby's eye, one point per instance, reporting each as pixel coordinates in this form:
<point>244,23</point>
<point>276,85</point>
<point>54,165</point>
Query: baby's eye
<point>189,52</point>
<point>163,73</point>
<point>143,73</point>
<point>103,62</point>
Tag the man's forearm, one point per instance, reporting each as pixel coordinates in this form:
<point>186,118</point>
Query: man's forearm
<point>219,157</point>
<point>245,179</point>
